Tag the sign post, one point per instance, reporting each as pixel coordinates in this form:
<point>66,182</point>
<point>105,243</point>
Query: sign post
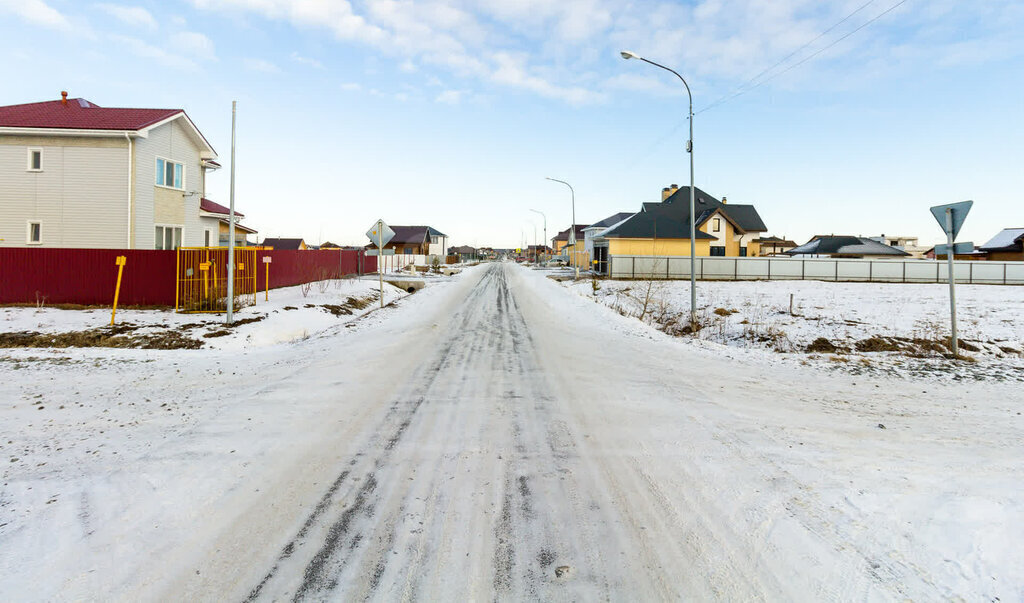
<point>380,233</point>
<point>951,217</point>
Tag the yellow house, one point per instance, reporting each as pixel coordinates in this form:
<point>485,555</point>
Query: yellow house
<point>663,229</point>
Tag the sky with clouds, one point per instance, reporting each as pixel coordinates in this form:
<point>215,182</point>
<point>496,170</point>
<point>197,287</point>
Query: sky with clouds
<point>846,117</point>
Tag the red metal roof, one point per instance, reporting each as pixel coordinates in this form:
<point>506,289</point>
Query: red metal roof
<point>80,114</point>
<point>216,208</point>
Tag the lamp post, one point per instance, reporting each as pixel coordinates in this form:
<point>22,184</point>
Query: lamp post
<point>693,229</point>
<point>534,240</point>
<point>572,227</point>
<point>545,225</point>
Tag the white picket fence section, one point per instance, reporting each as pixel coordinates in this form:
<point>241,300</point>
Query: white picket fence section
<point>820,269</point>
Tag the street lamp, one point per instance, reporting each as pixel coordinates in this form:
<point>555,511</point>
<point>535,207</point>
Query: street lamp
<point>693,229</point>
<point>572,227</point>
<point>545,225</point>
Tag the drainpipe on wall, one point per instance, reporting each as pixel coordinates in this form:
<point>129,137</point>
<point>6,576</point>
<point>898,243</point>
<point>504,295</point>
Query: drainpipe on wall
<point>128,138</point>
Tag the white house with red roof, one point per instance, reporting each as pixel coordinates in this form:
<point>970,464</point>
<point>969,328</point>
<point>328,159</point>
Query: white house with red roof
<point>74,174</point>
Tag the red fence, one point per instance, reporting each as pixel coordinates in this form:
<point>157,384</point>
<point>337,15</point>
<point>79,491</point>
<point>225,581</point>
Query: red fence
<point>88,276</point>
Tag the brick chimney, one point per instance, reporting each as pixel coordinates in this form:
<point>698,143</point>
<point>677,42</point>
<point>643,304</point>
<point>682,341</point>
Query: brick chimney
<point>669,191</point>
<point>724,201</point>
<point>64,97</point>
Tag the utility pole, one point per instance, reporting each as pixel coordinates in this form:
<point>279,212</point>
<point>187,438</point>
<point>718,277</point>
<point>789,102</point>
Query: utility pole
<point>231,224</point>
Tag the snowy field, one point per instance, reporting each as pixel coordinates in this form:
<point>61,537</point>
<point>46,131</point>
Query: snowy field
<point>291,314</point>
<point>858,327</point>
<point>496,436</point>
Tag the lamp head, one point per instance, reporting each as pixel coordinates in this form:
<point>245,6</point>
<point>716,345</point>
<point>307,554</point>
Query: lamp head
<point>629,55</point>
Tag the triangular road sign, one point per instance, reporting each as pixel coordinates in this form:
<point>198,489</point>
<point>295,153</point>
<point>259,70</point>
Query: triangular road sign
<point>380,238</point>
<point>960,211</point>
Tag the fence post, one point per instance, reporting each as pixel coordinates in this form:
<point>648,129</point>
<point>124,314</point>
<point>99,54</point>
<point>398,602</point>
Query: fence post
<point>769,269</point>
<point>904,271</point>
<point>871,271</point>
<point>803,269</point>
<point>970,272</point>
<point>836,262</point>
<point>634,267</point>
<point>735,269</point>
<point>936,270</point>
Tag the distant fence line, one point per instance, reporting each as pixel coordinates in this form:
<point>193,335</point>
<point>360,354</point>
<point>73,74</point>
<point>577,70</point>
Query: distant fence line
<point>817,269</point>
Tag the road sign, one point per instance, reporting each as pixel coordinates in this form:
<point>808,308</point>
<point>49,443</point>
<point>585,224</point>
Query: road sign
<point>382,252</point>
<point>380,233</point>
<point>266,259</point>
<point>958,248</point>
<point>959,210</point>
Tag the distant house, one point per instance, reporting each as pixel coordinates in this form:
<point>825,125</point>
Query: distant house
<point>771,246</point>
<point>836,246</point>
<point>216,225</point>
<point>330,245</point>
<point>417,240</point>
<point>663,229</point>
<point>74,174</point>
<point>908,244</point>
<point>284,244</point>
<point>591,231</point>
<point>1008,245</point>
<point>465,252</point>
<point>975,255</point>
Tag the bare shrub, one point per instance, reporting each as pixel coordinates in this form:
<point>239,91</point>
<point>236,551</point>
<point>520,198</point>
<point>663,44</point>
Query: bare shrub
<point>324,281</point>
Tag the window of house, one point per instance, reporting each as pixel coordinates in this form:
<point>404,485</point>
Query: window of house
<point>743,252</point>
<point>207,244</point>
<point>169,173</point>
<point>716,224</point>
<point>168,237</point>
<point>718,251</point>
<point>408,251</point>
<point>34,233</point>
<point>35,160</point>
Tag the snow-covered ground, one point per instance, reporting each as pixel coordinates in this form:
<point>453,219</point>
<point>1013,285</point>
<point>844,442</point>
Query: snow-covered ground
<point>290,314</point>
<point>495,436</point>
<point>891,327</point>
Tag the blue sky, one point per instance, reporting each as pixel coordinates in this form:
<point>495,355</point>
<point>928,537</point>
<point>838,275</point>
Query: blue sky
<point>451,113</point>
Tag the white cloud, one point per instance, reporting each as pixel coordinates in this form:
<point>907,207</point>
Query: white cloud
<point>351,87</point>
<point>148,51</point>
<point>260,65</point>
<point>450,97</point>
<point>564,50</point>
<point>306,61</point>
<point>36,12</point>
<point>135,16</point>
<point>193,43</point>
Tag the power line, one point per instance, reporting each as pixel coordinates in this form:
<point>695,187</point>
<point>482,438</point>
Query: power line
<point>807,58</point>
<point>741,87</point>
<point>743,90</point>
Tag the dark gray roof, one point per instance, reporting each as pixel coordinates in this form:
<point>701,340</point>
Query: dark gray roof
<point>612,220</point>
<point>1008,239</point>
<point>435,232</point>
<point>678,206</point>
<point>282,243</point>
<point>653,225</point>
<point>845,245</point>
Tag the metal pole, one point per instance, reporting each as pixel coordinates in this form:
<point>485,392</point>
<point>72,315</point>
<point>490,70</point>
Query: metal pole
<point>572,227</point>
<point>380,257</point>
<point>950,252</point>
<point>545,226</point>
<point>693,227</point>
<point>231,224</point>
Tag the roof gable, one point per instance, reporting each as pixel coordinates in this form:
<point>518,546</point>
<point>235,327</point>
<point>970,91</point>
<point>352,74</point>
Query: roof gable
<point>1008,239</point>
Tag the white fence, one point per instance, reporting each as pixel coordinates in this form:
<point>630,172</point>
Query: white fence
<point>882,271</point>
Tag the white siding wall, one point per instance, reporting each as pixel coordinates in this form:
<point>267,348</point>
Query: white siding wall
<point>170,141</point>
<point>81,196</point>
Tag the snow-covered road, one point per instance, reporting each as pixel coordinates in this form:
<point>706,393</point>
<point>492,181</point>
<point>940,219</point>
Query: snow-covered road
<point>498,437</point>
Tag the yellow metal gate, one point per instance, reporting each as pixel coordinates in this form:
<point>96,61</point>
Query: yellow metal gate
<point>202,279</point>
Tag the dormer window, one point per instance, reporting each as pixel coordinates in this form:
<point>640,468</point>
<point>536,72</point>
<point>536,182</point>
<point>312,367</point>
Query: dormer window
<point>35,160</point>
<point>170,173</point>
